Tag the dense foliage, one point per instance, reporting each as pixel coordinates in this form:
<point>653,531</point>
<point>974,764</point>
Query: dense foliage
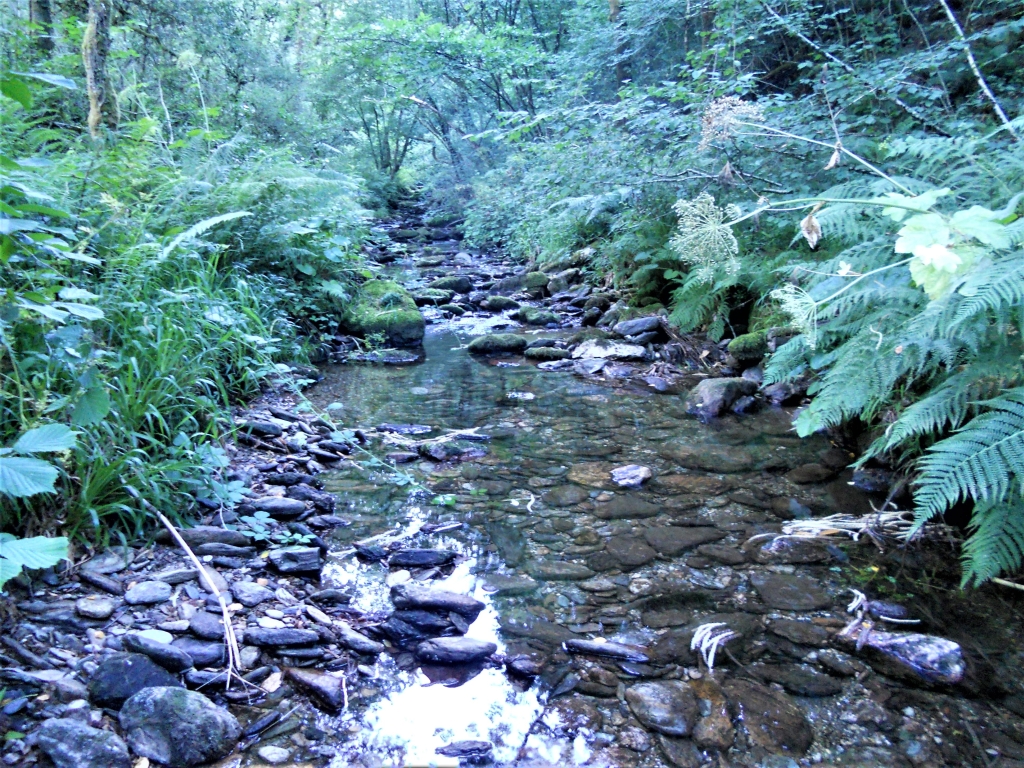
<point>851,168</point>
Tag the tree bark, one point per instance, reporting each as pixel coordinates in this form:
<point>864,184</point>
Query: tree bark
<point>40,13</point>
<point>95,48</point>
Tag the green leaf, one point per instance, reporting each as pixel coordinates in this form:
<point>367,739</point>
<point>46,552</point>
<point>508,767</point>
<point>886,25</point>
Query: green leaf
<point>80,310</point>
<point>922,202</point>
<point>92,407</point>
<point>71,294</point>
<point>922,230</point>
<point>16,89</point>
<point>45,77</point>
<point>198,229</point>
<point>8,571</point>
<point>21,477</point>
<point>36,552</point>
<point>981,224</point>
<point>45,439</point>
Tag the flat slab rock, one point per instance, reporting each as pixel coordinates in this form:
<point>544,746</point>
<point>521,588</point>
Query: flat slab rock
<point>121,676</point>
<point>668,707</point>
<point>671,540</point>
<point>790,593</point>
<point>454,650</point>
<point>73,744</point>
<point>296,559</point>
<point>280,638</point>
<point>325,688</point>
<point>406,596</point>
<point>772,720</point>
<point>606,649</point>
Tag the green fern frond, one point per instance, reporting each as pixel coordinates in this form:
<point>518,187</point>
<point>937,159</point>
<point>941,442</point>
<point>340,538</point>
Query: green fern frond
<point>979,461</point>
<point>996,543</point>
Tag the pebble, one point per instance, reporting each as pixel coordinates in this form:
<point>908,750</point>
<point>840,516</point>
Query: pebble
<point>95,607</point>
<point>270,623</point>
<point>148,593</point>
<point>274,755</point>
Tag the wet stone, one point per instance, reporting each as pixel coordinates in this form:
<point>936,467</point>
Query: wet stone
<point>809,473</point>
<point>204,653</point>
<point>420,558</point>
<point>682,753</point>
<point>148,593</point>
<point>629,552</point>
<point>413,596</point>
<point>454,650</point>
<point>357,641</point>
<point>565,496</point>
<point>723,554</point>
<point>606,649</point>
<point>668,707</point>
<point>509,585</point>
<point>673,540</point>
<point>772,721</point>
<point>203,534</point>
<point>279,507</point>
<point>793,549</point>
<point>631,475</point>
<point>278,638</point>
<point>799,681</point>
<point>800,632</point>
<point>625,507</point>
<point>325,688</point>
<point>790,593</point>
<point>556,570</point>
<point>912,657</point>
<point>167,656</point>
<point>296,559</point>
<point>73,744</point>
<point>207,626</point>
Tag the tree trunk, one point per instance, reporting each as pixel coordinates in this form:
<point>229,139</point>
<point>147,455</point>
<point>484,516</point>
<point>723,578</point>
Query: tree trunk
<point>39,13</point>
<point>95,47</point>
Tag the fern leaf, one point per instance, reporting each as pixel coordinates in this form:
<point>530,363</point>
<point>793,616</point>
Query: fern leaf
<point>197,229</point>
<point>979,461</point>
<point>996,543</point>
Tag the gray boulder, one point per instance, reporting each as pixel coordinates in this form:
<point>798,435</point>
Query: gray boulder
<point>73,744</point>
<point>713,396</point>
<point>178,728</point>
<point>122,675</point>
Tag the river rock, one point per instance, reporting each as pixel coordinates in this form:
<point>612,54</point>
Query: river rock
<point>274,755</point>
<point>671,540</point>
<point>469,752</point>
<point>148,593</point>
<point>558,570</point>
<point>412,596</point>
<point>280,638</point>
<point>356,641</point>
<point>119,677</point>
<point>771,719</point>
<point>790,593</point>
<point>457,283</point>
<point>208,626</point>
<point>809,473</point>
<point>604,648</point>
<point>250,594</point>
<point>638,325</point>
<point>296,559</point>
<point>203,534</point>
<point>800,632</point>
<point>667,707</point>
<point>794,549</point>
<point>420,558</point>
<point>536,316</point>
<point>631,475</point>
<point>498,303</point>
<point>177,727</point>
<point>625,507</point>
<point>109,561</point>
<point>682,753</point>
<point>722,553</point>
<point>262,428</point>
<point>713,396</point>
<point>798,681</point>
<point>324,687</point>
<point>204,653</point>
<point>73,744</point>
<point>95,607</point>
<point>605,349</point>
<point>166,655</point>
<point>492,343</point>
<point>454,650</point>
<point>913,657</point>
<point>629,552</point>
<point>277,506</point>
<point>565,496</point>
<point>714,729</point>
<point>726,459</point>
<point>546,353</point>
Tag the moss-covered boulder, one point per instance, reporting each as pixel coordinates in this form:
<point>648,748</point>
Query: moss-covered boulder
<point>750,347</point>
<point>535,280</point>
<point>454,309</point>
<point>457,283</point>
<point>432,297</point>
<point>497,342</point>
<point>537,316</point>
<point>546,353</point>
<point>499,303</point>
<point>383,306</point>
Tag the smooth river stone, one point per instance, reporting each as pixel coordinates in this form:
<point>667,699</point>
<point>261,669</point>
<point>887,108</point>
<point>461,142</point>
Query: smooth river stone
<point>631,476</point>
<point>790,593</point>
<point>672,540</point>
<point>772,720</point>
<point>454,650</point>
<point>148,592</point>
<point>411,596</point>
<point>668,707</point>
<point>624,507</point>
<point>629,551</point>
<point>555,570</point>
<point>250,594</point>
<point>96,607</point>
<point>565,496</point>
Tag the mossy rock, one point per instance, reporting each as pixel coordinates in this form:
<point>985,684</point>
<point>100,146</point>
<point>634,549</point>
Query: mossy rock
<point>499,303</point>
<point>537,316</point>
<point>497,342</point>
<point>455,309</point>
<point>430,261</point>
<point>403,234</point>
<point>588,333</point>
<point>749,346</point>
<point>383,306</point>
<point>457,283</point>
<point>546,353</point>
<point>431,297</point>
<point>535,280</point>
<point>600,300</point>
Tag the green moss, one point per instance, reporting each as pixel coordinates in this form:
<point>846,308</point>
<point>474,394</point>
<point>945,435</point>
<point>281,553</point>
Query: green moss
<point>546,353</point>
<point>428,297</point>
<point>499,303</point>
<point>385,307</point>
<point>536,280</point>
<point>536,316</point>
<point>749,346</point>
<point>455,309</point>
<point>497,342</point>
<point>457,283</point>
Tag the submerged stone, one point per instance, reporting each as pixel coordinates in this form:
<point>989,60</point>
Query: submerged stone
<point>668,707</point>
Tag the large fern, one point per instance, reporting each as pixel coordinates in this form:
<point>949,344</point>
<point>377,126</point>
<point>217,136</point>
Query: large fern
<point>996,543</point>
